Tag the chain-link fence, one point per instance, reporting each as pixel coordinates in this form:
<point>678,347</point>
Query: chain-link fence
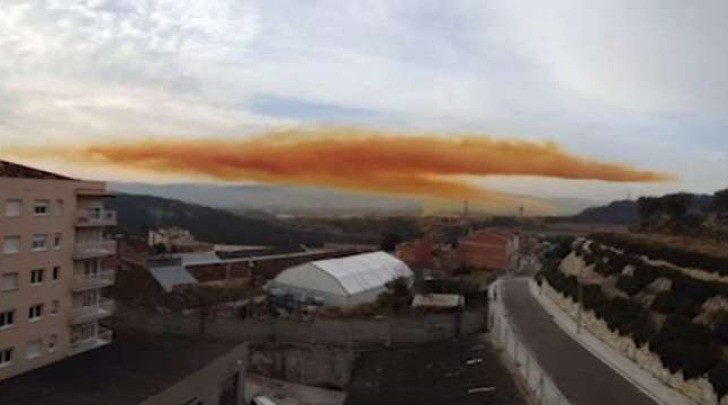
<point>503,335</point>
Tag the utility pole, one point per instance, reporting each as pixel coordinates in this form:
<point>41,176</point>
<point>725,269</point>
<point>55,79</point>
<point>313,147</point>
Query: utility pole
<point>581,303</point>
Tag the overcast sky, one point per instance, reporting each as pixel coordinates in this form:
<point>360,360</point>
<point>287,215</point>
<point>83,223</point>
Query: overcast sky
<point>641,82</point>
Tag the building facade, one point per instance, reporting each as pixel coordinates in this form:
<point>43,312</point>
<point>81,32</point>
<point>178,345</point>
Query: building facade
<point>53,267</point>
<point>495,250</point>
<point>416,254</point>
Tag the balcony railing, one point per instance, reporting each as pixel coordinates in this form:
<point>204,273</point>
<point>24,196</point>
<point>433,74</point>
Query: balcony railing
<point>102,309</point>
<point>90,250</point>
<point>96,218</point>
<point>101,279</point>
<point>103,337</point>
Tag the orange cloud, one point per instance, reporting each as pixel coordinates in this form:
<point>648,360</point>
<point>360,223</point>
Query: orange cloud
<point>428,166</point>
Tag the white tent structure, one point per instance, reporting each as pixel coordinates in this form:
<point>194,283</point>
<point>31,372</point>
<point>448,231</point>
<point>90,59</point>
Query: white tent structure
<point>343,282</point>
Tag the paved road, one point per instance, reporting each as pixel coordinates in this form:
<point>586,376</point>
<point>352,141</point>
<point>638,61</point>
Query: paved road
<point>583,378</point>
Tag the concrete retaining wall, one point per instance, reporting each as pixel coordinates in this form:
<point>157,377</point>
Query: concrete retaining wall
<point>360,333</point>
<point>699,389</point>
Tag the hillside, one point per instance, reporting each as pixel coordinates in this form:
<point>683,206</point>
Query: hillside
<point>622,212</point>
<point>138,213</point>
<point>668,304</point>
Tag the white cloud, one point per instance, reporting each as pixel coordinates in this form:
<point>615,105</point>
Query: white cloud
<point>611,79</point>
<point>665,56</point>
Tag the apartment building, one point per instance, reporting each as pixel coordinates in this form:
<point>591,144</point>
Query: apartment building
<point>53,267</point>
<point>490,249</point>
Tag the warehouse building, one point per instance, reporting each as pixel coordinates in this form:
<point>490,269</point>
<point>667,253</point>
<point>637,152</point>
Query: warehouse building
<point>342,282</point>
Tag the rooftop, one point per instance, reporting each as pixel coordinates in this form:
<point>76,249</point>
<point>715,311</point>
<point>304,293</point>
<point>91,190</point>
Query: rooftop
<point>14,170</point>
<point>126,372</point>
<point>463,371</point>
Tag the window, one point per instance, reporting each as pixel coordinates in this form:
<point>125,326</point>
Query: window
<point>9,282</point>
<point>40,208</point>
<point>13,208</point>
<point>56,273</point>
<point>36,276</point>
<point>52,342</point>
<point>54,307</point>
<point>57,241</point>
<point>40,242</point>
<point>34,349</point>
<point>59,208</point>
<point>35,312</point>
<point>11,244</point>
<point>7,319</point>
<point>6,357</point>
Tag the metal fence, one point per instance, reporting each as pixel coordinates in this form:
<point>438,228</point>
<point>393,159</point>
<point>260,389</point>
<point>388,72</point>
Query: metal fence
<point>538,381</point>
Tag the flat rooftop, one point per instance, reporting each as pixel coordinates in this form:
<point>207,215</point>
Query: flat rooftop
<point>464,371</point>
<point>126,372</point>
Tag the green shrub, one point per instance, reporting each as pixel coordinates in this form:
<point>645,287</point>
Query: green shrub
<point>718,377</point>
<point>629,285</point>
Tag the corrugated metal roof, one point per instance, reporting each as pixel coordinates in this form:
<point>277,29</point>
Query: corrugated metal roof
<point>197,258</point>
<point>170,277</point>
<point>365,271</point>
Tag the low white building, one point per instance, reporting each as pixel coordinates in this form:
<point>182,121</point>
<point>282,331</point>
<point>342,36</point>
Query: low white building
<point>343,282</point>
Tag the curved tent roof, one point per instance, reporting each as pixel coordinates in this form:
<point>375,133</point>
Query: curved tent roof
<point>356,273</point>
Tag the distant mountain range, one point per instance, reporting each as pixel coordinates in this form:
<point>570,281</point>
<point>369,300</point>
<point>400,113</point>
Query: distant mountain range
<point>277,199</point>
<point>137,214</point>
<point>622,212</point>
<point>301,200</point>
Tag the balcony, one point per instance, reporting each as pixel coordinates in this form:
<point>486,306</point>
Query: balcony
<point>103,337</point>
<point>87,218</point>
<point>102,309</point>
<point>101,279</point>
<point>91,250</point>
<point>94,192</point>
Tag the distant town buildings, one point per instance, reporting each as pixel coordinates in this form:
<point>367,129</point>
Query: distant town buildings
<point>175,239</point>
<point>417,254</point>
<point>54,265</point>
<point>493,249</point>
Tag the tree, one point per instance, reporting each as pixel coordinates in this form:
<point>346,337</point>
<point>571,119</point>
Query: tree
<point>390,241</point>
<point>676,205</point>
<point>720,201</point>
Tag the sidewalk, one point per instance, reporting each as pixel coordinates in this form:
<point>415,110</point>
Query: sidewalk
<point>642,379</point>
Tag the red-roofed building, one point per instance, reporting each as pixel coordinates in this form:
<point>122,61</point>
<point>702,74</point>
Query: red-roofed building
<point>493,249</point>
<point>416,253</point>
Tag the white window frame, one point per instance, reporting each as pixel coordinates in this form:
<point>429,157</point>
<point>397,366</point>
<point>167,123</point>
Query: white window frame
<point>4,316</point>
<point>6,357</point>
<point>34,343</point>
<point>15,214</point>
<point>38,237</point>
<point>37,276</point>
<point>5,244</point>
<point>41,208</point>
<point>38,314</point>
<point>10,274</point>
<point>57,241</point>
